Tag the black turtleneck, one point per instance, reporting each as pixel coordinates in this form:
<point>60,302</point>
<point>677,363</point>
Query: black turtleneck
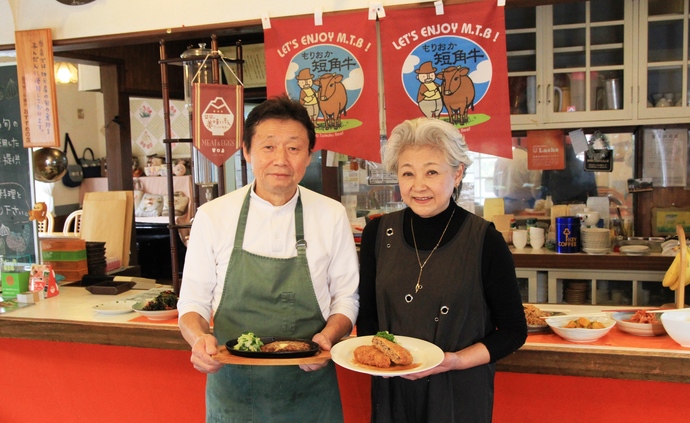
<point>498,276</point>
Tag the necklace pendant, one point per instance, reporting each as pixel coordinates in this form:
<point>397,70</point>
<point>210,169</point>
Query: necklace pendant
<point>409,298</point>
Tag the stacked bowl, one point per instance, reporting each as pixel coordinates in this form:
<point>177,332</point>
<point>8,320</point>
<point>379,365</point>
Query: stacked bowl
<point>595,240</point>
<point>95,258</point>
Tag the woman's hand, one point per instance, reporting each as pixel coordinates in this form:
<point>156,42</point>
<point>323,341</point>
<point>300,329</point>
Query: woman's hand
<point>450,362</point>
<point>203,350</point>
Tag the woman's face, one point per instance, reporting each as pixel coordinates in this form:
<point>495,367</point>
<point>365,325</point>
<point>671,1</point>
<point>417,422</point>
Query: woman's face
<point>426,180</point>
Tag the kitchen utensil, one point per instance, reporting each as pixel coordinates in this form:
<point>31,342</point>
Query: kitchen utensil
<point>613,94</point>
<point>531,95</point>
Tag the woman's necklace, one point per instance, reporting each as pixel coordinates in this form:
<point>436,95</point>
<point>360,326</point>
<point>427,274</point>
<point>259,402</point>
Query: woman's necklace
<point>419,286</point>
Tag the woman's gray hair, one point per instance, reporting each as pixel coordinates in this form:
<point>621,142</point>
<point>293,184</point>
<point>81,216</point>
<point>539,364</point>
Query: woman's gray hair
<point>427,132</point>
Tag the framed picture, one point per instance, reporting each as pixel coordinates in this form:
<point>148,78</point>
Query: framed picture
<point>664,220</point>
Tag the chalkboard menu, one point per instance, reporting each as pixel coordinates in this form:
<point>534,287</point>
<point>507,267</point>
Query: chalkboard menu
<point>16,231</point>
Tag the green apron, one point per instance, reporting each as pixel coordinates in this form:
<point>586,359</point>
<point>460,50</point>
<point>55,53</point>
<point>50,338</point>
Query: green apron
<point>270,297</point>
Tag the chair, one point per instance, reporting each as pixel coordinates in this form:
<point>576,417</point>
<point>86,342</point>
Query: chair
<point>74,217</point>
<point>46,226</point>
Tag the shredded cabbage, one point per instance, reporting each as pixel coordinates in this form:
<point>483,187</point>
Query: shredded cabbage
<point>385,334</point>
<point>248,342</point>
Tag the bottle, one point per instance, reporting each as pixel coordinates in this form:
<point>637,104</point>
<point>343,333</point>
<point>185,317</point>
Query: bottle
<point>548,205</point>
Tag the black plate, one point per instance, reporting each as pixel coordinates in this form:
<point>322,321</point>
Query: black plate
<point>314,348</point>
<point>110,288</point>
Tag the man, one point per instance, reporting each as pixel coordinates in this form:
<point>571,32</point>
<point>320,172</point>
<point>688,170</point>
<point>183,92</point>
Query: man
<point>429,93</point>
<point>307,94</point>
<point>274,259</point>
<point>519,186</point>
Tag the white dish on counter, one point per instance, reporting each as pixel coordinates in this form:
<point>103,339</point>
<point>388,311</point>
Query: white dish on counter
<point>634,250</point>
<point>115,307</point>
<point>154,314</point>
<point>596,251</point>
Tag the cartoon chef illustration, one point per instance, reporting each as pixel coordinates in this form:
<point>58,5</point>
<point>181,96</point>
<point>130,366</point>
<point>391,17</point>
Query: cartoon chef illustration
<point>429,94</point>
<point>307,95</point>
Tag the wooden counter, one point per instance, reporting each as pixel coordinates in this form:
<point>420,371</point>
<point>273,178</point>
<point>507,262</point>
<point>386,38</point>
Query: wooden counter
<point>545,259</point>
<point>70,318</point>
<point>95,362</point>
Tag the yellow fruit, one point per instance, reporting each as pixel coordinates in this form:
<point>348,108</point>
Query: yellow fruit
<point>672,273</point>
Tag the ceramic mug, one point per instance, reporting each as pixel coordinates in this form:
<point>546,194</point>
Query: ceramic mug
<point>520,238</point>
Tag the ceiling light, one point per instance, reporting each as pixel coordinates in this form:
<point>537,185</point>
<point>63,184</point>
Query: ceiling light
<point>65,73</point>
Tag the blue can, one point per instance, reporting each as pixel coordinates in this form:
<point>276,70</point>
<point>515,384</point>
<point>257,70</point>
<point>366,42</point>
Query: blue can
<point>568,234</point>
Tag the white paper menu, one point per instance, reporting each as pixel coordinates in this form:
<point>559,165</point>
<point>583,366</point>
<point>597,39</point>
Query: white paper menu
<point>665,154</point>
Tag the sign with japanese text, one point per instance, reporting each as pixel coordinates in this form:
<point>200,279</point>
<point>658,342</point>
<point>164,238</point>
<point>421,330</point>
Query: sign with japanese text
<point>16,231</point>
<point>331,70</point>
<point>37,88</point>
<point>217,120</point>
<point>451,67</point>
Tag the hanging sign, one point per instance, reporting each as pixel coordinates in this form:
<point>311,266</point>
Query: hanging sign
<point>545,150</point>
<point>37,88</point>
<point>452,67</point>
<point>331,69</point>
<point>599,159</point>
<point>217,120</point>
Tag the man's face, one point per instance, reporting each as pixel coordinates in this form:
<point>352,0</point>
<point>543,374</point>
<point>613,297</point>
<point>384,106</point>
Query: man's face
<point>305,83</point>
<point>279,157</point>
<point>426,77</point>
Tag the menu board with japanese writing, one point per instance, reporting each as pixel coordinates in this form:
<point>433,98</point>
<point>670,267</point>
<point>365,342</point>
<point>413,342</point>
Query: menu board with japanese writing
<point>16,231</point>
<point>37,88</point>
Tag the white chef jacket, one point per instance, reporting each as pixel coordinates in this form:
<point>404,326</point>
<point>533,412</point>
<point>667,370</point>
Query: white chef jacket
<point>270,231</point>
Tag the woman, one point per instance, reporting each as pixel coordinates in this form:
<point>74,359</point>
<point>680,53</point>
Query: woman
<point>436,272</point>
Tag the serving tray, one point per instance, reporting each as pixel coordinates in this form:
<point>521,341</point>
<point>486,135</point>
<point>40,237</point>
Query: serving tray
<point>225,357</point>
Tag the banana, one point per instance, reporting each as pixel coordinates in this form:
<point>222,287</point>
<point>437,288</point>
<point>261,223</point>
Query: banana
<point>672,274</point>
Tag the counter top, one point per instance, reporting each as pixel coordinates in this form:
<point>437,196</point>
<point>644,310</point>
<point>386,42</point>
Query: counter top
<point>546,259</point>
<point>70,317</point>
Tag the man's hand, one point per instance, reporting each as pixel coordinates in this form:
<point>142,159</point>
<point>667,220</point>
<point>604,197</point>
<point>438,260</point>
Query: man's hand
<point>203,350</point>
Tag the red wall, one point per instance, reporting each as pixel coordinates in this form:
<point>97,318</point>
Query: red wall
<point>44,381</point>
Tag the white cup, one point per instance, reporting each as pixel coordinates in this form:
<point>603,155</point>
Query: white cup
<point>536,232</point>
<point>536,242</point>
<point>520,238</point>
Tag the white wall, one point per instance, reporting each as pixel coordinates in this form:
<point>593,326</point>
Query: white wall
<point>86,132</point>
<point>104,17</point>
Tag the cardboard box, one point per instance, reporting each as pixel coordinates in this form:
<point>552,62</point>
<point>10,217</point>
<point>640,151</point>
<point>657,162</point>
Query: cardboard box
<point>14,283</point>
<point>62,244</point>
<point>64,255</point>
<point>67,265</point>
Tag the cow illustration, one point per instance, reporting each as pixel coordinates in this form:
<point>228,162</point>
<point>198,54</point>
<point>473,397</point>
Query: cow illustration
<point>332,99</point>
<point>458,93</point>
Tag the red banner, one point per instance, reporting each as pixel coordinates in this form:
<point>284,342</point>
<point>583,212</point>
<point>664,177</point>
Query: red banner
<point>217,120</point>
<point>451,67</point>
<point>331,70</point>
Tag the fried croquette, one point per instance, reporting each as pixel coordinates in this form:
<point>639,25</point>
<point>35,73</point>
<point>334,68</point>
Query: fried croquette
<point>397,353</point>
<point>370,356</point>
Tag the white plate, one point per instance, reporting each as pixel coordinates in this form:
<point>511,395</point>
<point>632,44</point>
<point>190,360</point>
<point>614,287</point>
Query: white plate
<point>634,250</point>
<point>424,353</point>
<point>154,314</point>
<point>115,307</point>
<point>596,251</point>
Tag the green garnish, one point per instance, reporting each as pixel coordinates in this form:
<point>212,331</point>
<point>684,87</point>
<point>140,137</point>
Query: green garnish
<point>385,334</point>
<point>248,342</point>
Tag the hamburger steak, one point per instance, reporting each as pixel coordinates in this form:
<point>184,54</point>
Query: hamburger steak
<point>285,346</point>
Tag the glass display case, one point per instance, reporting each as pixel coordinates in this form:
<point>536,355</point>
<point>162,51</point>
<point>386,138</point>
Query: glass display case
<point>570,62</point>
<point>664,59</point>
